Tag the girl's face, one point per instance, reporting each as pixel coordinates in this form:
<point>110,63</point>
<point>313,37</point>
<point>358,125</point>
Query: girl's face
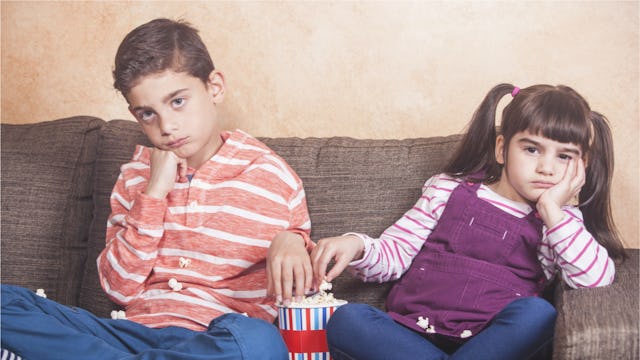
<point>532,164</point>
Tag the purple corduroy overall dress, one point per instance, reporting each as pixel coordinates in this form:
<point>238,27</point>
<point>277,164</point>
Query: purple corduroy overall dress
<point>477,260</point>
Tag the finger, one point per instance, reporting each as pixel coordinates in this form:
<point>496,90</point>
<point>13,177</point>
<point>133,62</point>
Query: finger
<point>270,291</point>
<point>299,276</point>
<point>308,275</point>
<point>322,264</point>
<point>286,278</point>
<point>318,271</point>
<point>276,284</point>
<point>337,268</point>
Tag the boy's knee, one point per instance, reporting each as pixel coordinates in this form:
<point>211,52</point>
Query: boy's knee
<point>256,338</point>
<point>11,293</point>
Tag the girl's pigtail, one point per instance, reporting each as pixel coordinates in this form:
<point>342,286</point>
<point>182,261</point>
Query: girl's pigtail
<point>476,150</point>
<point>595,194</point>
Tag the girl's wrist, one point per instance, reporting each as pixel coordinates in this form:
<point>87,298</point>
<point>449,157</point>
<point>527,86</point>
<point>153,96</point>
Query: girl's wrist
<point>551,214</point>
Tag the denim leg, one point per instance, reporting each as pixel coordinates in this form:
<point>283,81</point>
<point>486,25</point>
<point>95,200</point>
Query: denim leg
<point>38,328</point>
<point>229,337</point>
<point>519,331</point>
<point>363,332</point>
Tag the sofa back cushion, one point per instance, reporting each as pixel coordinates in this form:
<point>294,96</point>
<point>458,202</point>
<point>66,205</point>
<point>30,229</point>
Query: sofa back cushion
<point>47,188</point>
<point>116,144</point>
<point>351,185</point>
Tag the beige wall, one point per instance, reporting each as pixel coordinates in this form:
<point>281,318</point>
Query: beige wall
<point>360,69</point>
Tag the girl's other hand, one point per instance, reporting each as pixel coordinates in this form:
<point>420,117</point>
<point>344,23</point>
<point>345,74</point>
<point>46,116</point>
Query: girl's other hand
<point>342,249</point>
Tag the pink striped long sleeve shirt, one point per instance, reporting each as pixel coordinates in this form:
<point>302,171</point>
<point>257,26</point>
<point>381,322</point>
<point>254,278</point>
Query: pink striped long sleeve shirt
<point>210,234</point>
<point>567,248</point>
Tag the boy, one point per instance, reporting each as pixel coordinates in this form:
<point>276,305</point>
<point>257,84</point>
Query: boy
<point>193,222</point>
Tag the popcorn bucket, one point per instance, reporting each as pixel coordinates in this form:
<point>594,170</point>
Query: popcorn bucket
<point>302,328</point>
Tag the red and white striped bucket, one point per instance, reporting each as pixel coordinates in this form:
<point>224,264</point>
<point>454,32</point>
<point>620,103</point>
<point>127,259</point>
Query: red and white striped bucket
<point>303,330</point>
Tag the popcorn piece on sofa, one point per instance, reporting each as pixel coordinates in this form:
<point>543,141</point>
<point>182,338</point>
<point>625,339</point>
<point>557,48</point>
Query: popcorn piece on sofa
<point>40,292</point>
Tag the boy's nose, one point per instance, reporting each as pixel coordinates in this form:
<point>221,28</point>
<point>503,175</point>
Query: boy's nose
<point>167,125</point>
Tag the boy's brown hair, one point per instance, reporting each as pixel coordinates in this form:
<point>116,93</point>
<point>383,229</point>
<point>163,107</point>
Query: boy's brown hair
<point>159,45</point>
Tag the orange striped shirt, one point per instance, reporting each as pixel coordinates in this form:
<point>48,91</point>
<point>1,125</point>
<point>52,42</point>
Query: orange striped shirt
<point>211,234</point>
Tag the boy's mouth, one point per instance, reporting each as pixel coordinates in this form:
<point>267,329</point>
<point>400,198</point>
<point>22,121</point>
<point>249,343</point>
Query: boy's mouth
<point>177,143</point>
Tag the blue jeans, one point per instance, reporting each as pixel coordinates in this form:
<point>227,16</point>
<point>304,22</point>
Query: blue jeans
<point>520,331</point>
<point>38,328</point>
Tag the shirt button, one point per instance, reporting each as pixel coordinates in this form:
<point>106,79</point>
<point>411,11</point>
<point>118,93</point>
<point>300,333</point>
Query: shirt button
<point>193,204</point>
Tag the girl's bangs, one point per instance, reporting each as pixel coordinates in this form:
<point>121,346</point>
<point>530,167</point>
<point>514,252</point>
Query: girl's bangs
<point>557,118</point>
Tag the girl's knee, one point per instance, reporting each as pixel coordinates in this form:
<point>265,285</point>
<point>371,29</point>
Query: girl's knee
<point>535,311</point>
<point>349,313</point>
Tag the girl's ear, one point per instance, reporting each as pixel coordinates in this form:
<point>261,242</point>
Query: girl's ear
<point>215,85</point>
<point>500,149</point>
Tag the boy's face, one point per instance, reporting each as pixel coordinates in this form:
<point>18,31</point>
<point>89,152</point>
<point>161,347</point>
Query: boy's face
<point>178,112</point>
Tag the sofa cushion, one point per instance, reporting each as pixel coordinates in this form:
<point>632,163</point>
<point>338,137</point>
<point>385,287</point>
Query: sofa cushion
<point>600,323</point>
<point>46,203</point>
<point>117,141</point>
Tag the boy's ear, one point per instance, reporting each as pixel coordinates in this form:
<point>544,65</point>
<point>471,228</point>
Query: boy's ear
<point>500,149</point>
<point>216,86</point>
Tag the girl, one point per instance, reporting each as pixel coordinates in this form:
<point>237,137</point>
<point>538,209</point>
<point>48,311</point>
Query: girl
<point>513,208</point>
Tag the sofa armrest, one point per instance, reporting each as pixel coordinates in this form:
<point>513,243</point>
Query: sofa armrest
<point>600,323</point>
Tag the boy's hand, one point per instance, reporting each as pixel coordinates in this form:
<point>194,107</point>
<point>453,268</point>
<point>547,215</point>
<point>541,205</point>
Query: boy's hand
<point>288,268</point>
<point>551,201</point>
<point>166,167</point>
<point>342,249</point>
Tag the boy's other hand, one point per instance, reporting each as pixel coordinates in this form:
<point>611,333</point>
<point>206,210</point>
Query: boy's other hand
<point>166,167</point>
<point>342,249</point>
<point>288,268</point>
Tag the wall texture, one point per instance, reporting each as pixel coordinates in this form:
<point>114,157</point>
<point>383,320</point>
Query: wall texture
<point>360,69</point>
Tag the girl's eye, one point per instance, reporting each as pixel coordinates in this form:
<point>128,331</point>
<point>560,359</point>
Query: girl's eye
<point>565,157</point>
<point>531,149</point>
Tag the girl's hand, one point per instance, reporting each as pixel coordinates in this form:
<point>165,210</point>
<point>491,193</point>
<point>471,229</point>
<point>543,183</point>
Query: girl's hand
<point>551,201</point>
<point>288,268</point>
<point>342,249</point>
<point>166,167</point>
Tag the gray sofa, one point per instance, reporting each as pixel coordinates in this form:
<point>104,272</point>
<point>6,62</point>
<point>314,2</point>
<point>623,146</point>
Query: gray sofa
<point>57,177</point>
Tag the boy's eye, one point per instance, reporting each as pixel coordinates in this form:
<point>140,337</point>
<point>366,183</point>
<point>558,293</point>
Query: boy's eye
<point>146,116</point>
<point>178,102</point>
<point>531,149</point>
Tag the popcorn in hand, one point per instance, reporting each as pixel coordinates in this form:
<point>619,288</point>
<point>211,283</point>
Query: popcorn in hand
<point>40,292</point>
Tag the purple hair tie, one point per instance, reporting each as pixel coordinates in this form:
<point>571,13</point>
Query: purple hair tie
<point>515,91</point>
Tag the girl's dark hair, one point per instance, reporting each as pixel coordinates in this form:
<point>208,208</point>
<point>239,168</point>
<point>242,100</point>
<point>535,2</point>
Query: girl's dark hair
<point>558,113</point>
<point>159,45</point>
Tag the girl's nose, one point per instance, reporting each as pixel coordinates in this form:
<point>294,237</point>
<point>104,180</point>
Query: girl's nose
<point>545,166</point>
